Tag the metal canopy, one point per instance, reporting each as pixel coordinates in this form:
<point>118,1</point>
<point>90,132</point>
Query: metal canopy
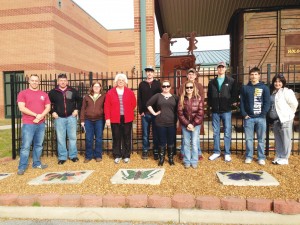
<point>179,18</point>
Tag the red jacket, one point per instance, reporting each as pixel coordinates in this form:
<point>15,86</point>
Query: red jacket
<point>112,105</point>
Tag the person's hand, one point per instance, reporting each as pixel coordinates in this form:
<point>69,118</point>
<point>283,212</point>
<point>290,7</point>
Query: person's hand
<point>75,113</point>
<point>247,117</point>
<point>157,113</point>
<point>142,114</point>
<point>39,116</point>
<point>82,124</point>
<point>107,123</point>
<point>190,127</point>
<point>54,115</point>
<point>36,120</point>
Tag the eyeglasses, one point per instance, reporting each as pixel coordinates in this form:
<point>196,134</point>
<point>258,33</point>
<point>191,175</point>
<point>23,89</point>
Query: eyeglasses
<point>166,86</point>
<point>189,87</point>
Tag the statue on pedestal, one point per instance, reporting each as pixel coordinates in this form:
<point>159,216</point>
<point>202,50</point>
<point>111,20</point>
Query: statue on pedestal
<point>192,42</point>
<point>165,43</point>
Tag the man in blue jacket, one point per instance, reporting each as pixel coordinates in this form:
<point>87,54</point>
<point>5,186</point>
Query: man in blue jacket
<point>255,103</point>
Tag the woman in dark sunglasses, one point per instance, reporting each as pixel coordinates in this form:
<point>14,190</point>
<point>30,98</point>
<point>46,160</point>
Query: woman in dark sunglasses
<point>190,115</point>
<point>282,112</point>
<point>164,106</point>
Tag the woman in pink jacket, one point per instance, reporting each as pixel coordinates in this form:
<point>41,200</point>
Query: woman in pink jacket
<point>119,106</point>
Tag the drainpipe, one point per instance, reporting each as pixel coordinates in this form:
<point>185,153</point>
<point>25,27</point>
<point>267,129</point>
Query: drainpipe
<point>143,34</point>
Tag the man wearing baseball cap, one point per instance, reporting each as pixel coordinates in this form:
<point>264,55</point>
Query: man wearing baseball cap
<point>146,90</point>
<point>222,94</point>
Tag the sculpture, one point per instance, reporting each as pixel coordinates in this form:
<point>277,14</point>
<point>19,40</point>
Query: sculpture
<point>165,43</point>
<point>192,42</point>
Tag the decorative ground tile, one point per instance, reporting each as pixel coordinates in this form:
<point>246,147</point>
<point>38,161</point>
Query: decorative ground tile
<point>247,178</point>
<point>4,175</point>
<point>67,177</point>
<point>138,176</point>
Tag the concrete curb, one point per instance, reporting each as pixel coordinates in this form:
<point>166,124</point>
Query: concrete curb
<point>148,215</point>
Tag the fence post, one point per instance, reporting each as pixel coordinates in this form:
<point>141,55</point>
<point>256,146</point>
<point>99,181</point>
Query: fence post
<point>91,78</point>
<point>13,116</point>
<point>268,125</point>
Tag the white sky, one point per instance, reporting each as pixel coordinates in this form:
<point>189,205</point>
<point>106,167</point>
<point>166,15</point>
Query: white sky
<point>118,14</point>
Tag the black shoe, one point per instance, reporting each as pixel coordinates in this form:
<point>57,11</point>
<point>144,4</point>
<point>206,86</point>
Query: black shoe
<point>145,155</point>
<point>75,159</point>
<point>60,162</point>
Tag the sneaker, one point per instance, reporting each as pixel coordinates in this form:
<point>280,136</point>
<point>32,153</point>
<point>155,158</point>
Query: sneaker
<point>117,160</point>
<point>200,157</point>
<point>227,158</point>
<point>21,172</point>
<point>126,160</point>
<point>41,166</point>
<point>75,159</point>
<point>262,162</point>
<point>98,159</point>
<point>248,161</point>
<point>282,162</point>
<point>195,166</point>
<point>275,160</point>
<point>144,155</point>
<point>214,156</point>
<point>86,160</point>
<point>186,166</point>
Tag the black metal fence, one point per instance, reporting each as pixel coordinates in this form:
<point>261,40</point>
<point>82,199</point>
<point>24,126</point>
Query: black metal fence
<point>83,81</point>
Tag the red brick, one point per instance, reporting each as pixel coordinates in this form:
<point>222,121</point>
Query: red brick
<point>259,205</point>
<point>137,201</point>
<point>156,201</point>
<point>69,200</point>
<point>8,199</point>
<point>233,203</point>
<point>113,200</point>
<point>48,199</point>
<point>286,207</point>
<point>26,200</point>
<point>208,202</point>
<point>91,201</point>
<point>183,201</point>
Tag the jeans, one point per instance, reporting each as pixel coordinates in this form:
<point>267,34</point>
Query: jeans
<point>283,133</point>
<point>31,133</point>
<point>190,145</point>
<point>259,126</point>
<point>147,120</point>
<point>121,135</point>
<point>66,126</point>
<point>93,129</point>
<point>216,122</point>
<point>166,136</point>
<point>198,144</point>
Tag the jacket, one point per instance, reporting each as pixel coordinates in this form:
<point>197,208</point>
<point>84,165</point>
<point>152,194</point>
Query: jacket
<point>145,92</point>
<point>64,102</point>
<point>221,101</point>
<point>92,110</point>
<point>286,104</point>
<point>192,112</point>
<point>112,105</point>
<point>255,100</point>
<point>199,87</point>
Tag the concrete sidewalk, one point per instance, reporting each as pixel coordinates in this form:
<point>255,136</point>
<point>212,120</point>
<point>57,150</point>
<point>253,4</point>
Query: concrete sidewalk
<point>147,215</point>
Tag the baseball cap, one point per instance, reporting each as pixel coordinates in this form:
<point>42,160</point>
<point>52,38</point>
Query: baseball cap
<point>191,70</point>
<point>149,68</point>
<point>221,64</point>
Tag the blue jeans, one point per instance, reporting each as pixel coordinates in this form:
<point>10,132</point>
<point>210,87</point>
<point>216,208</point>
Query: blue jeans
<point>198,143</point>
<point>259,126</point>
<point>166,136</point>
<point>216,122</point>
<point>147,120</point>
<point>31,133</point>
<point>66,126</point>
<point>93,129</point>
<point>190,139</point>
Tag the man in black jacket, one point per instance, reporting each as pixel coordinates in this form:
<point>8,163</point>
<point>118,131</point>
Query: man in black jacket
<point>222,94</point>
<point>147,89</point>
<point>65,103</point>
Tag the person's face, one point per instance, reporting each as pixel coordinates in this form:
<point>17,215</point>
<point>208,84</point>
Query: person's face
<point>254,77</point>
<point>34,83</point>
<point>191,76</point>
<point>97,88</point>
<point>278,84</point>
<point>62,82</point>
<point>189,88</point>
<point>221,70</point>
<point>166,87</point>
<point>150,74</point>
<point>121,82</point>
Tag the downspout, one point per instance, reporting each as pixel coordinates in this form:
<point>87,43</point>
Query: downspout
<point>143,34</point>
<point>278,40</point>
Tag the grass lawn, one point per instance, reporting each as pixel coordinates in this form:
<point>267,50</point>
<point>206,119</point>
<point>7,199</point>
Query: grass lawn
<point>5,122</point>
<point>5,143</point>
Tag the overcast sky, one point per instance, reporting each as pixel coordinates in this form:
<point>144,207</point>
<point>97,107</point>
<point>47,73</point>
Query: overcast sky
<point>118,14</point>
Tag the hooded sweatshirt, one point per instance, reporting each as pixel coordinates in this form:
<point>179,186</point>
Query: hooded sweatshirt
<point>255,100</point>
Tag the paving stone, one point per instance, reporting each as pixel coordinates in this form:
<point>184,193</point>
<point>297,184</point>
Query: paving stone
<point>183,201</point>
<point>8,199</point>
<point>91,201</point>
<point>26,200</point>
<point>289,207</point>
<point>113,200</point>
<point>156,201</point>
<point>208,202</point>
<point>233,203</point>
<point>69,200</point>
<point>259,205</point>
<point>48,199</point>
<point>137,201</point>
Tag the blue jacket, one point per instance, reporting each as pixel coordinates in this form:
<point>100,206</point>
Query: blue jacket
<point>255,100</point>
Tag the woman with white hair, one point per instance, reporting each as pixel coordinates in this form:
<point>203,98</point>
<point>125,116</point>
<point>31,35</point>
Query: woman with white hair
<point>119,106</point>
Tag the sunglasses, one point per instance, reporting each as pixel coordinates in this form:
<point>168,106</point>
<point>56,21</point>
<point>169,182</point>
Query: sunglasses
<point>166,86</point>
<point>189,87</point>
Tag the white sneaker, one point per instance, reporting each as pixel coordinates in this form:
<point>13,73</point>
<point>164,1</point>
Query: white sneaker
<point>126,160</point>
<point>248,161</point>
<point>227,158</point>
<point>282,162</point>
<point>261,162</point>
<point>275,160</point>
<point>214,156</point>
<point>117,160</point>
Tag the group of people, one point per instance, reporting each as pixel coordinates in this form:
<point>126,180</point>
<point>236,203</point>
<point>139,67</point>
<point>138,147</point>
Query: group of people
<point>161,110</point>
